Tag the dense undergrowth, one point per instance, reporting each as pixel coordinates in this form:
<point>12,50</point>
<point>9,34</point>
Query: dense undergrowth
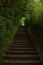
<point>8,28</point>
<point>7,32</point>
<point>34,23</point>
<point>36,35</point>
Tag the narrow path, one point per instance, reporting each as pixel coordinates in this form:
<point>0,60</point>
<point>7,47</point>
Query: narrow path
<point>22,51</point>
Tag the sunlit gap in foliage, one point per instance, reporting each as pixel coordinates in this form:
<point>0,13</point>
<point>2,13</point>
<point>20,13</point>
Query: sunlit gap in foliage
<point>37,0</point>
<point>23,21</point>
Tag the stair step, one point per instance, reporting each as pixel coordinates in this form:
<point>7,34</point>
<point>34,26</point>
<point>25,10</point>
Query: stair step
<point>21,52</point>
<point>17,57</point>
<point>24,41</point>
<point>22,36</point>
<point>21,61</point>
<point>21,64</point>
<point>21,56</point>
<point>21,43</point>
<point>21,40</point>
<point>21,33</point>
<point>19,49</point>
<point>22,46</point>
<point>23,30</point>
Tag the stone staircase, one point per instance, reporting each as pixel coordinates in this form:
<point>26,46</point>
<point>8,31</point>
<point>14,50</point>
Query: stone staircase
<point>21,51</point>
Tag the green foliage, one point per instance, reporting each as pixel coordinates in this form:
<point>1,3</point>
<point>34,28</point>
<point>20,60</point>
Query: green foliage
<point>34,21</point>
<point>7,31</point>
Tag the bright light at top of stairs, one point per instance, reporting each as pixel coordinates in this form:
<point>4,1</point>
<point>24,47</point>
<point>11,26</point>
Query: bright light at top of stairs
<point>22,20</point>
<point>37,0</point>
